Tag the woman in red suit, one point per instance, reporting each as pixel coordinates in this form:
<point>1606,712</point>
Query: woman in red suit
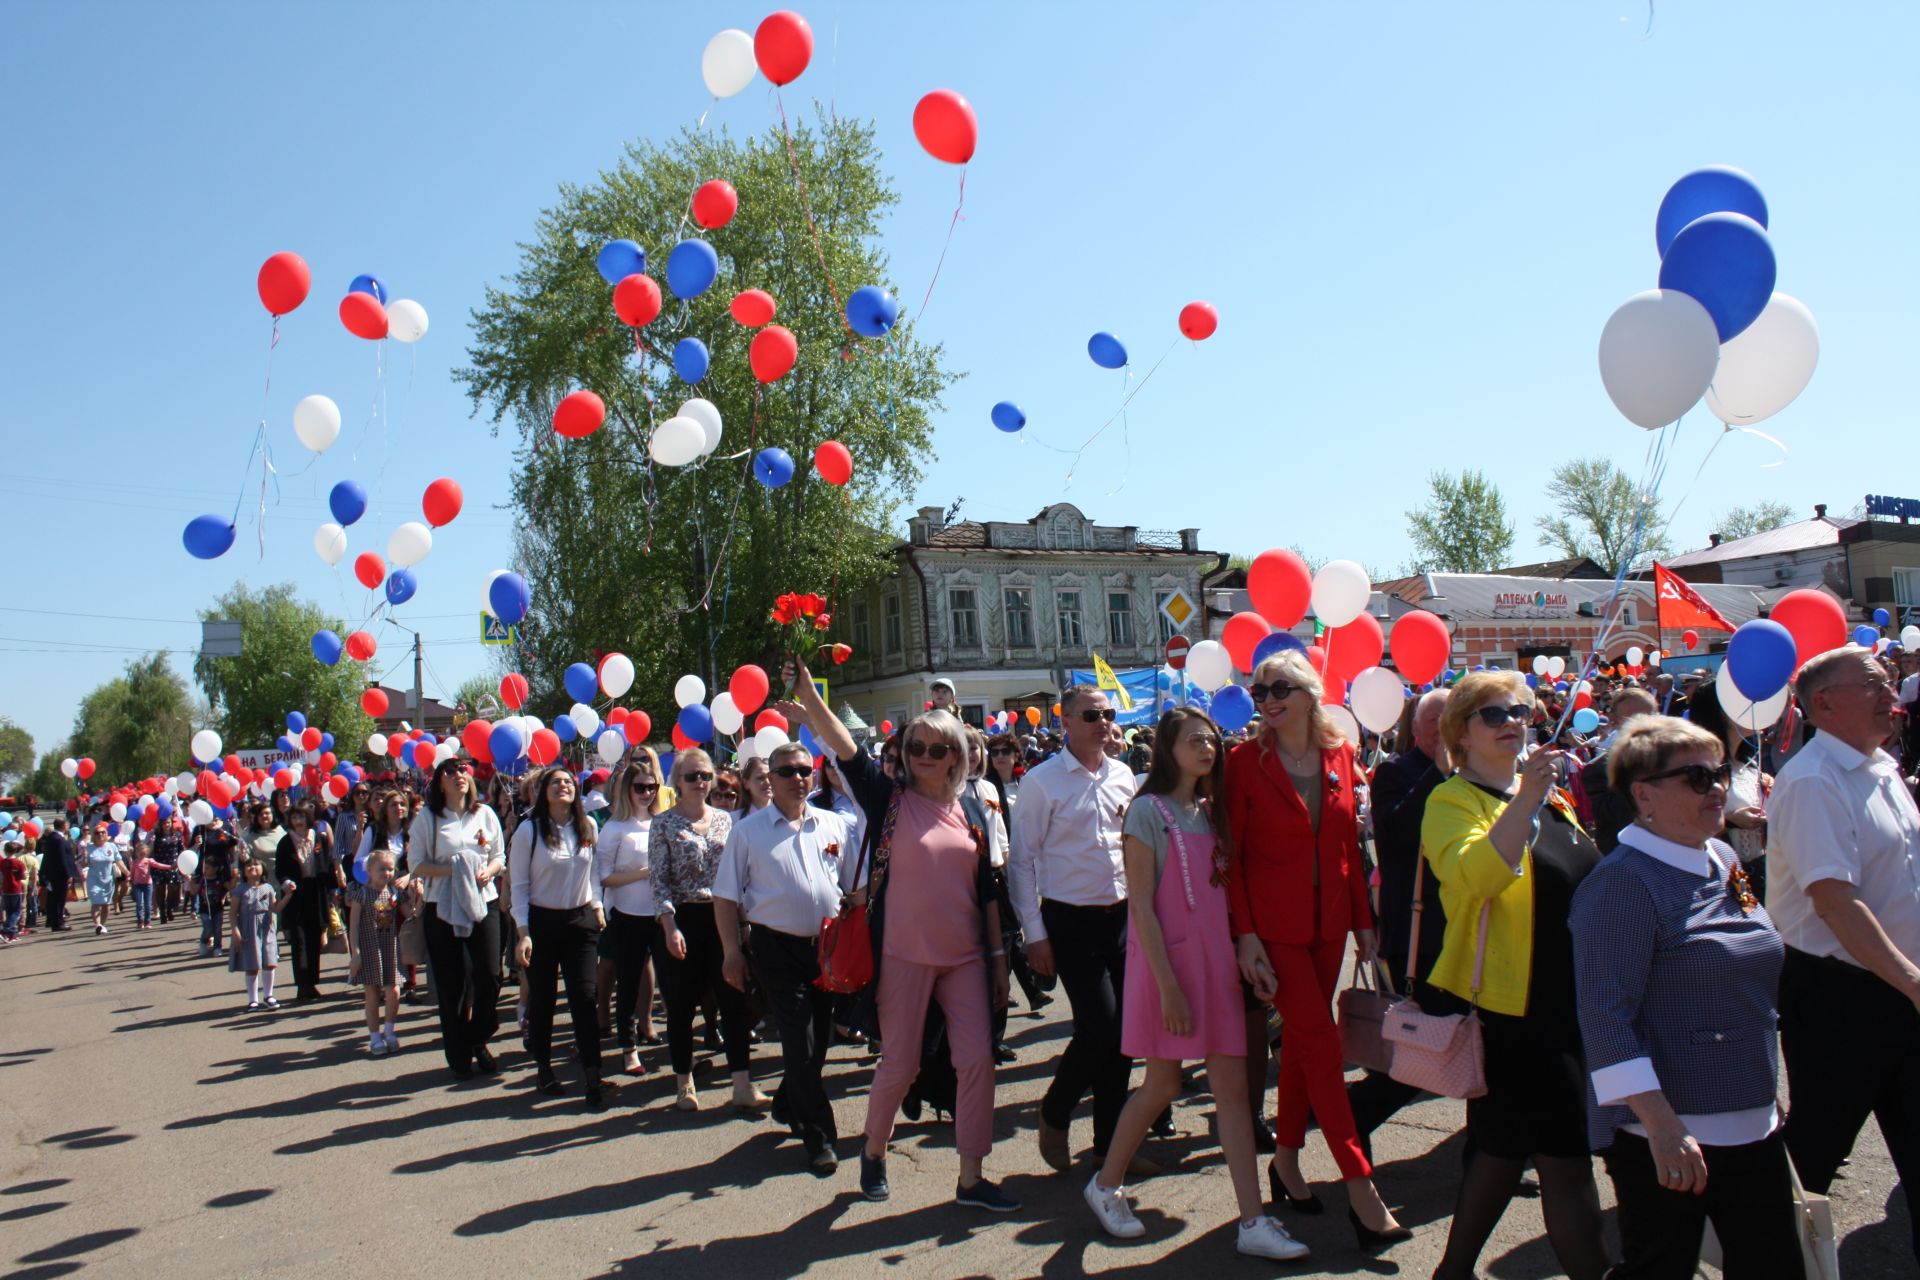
<point>1295,889</point>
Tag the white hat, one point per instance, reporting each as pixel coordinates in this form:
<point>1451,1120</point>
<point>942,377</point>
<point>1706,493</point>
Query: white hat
<point>943,682</point>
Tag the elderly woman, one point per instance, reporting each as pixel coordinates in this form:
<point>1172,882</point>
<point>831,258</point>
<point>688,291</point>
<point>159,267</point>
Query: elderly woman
<point>1508,853</point>
<point>1678,969</point>
<point>459,856</point>
<point>304,859</point>
<point>101,861</point>
<point>620,861</point>
<point>1296,888</point>
<point>932,869</point>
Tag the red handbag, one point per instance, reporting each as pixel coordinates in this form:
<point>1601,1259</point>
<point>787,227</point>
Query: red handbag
<point>846,940</point>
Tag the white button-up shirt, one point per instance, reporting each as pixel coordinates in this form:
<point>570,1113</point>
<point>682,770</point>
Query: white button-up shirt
<point>1066,838</point>
<point>622,847</point>
<point>788,875</point>
<point>1836,814</point>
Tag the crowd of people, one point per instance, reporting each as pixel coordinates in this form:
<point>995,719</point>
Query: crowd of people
<point>1640,923</point>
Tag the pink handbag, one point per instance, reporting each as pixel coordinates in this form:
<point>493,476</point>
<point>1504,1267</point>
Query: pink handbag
<point>1439,1053</point>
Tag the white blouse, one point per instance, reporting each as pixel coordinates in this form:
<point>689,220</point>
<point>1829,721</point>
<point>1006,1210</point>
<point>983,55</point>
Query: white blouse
<point>437,840</point>
<point>556,876</point>
<point>622,847</point>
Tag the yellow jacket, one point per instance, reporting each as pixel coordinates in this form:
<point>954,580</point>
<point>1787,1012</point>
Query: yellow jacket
<point>1471,872</point>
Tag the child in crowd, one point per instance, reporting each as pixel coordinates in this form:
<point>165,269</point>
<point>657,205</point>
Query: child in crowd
<point>256,936</point>
<point>374,935</point>
<point>140,871</point>
<point>13,891</point>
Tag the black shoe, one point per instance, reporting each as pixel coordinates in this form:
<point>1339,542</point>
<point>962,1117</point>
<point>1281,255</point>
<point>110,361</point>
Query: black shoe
<point>779,1111</point>
<point>545,1081</point>
<point>823,1162</point>
<point>873,1177</point>
<point>1003,1053</point>
<point>483,1060</point>
<point>1308,1204</point>
<point>911,1106</point>
<point>596,1100</point>
<point>461,1071</point>
<point>1162,1126</point>
<point>984,1195</point>
<point>1370,1239</point>
<point>1263,1139</point>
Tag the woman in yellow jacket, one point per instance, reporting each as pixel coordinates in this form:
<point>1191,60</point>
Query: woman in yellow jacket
<point>1505,847</point>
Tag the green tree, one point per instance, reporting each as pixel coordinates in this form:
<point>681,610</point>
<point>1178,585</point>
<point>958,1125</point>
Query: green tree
<point>678,567</point>
<point>1744,522</point>
<point>478,696</point>
<point>136,725</point>
<point>1463,528</point>
<point>45,782</point>
<point>276,672</point>
<point>16,751</point>
<point>1599,507</point>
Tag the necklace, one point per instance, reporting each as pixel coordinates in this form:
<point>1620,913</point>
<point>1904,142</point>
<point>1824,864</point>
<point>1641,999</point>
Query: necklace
<point>1301,763</point>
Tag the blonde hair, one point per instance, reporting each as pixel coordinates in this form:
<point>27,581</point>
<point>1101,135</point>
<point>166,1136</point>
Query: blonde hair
<point>620,803</point>
<point>682,760</point>
<point>1649,743</point>
<point>952,731</point>
<point>1292,666</point>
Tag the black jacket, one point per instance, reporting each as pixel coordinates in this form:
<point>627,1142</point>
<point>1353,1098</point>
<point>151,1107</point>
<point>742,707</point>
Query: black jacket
<point>1611,811</point>
<point>1401,785</point>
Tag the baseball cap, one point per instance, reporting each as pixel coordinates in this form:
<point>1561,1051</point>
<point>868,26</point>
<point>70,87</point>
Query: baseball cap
<point>944,683</point>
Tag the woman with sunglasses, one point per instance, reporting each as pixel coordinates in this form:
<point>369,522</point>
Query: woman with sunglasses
<point>685,844</point>
<point>459,853</point>
<point>728,794</point>
<point>1296,888</point>
<point>556,903</point>
<point>1503,843</point>
<point>620,862</point>
<point>1679,968</point>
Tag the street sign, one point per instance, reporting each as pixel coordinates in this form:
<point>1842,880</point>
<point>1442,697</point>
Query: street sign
<point>1177,607</point>
<point>494,631</point>
<point>1177,652</point>
<point>820,687</point>
<point>219,639</point>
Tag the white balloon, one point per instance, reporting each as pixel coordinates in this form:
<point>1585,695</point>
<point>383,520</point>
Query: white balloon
<point>172,787</point>
<point>486,590</point>
<point>1744,711</point>
<point>707,415</point>
<point>768,740</point>
<point>611,746</point>
<point>444,751</point>
<point>1539,664</point>
<point>316,420</point>
<point>188,784</point>
<point>1764,368</point>
<point>530,725</point>
<point>1909,639</point>
<point>1657,356</point>
<point>585,720</point>
<point>726,717</point>
<point>688,690</point>
<point>1343,721</point>
<point>676,442</point>
<point>146,803</point>
<point>330,543</point>
<point>1556,667</point>
<point>1209,665</point>
<point>727,64</point>
<point>746,750</point>
<point>70,767</point>
<point>189,861</point>
<point>206,745</point>
<point>1378,696</point>
<point>1635,655</point>
<point>409,543</point>
<point>117,811</point>
<point>1340,592</point>
<point>616,675</point>
<point>1653,657</point>
<point>376,744</point>
<point>406,320</point>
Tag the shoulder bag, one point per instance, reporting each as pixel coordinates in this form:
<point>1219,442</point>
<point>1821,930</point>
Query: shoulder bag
<point>1363,1013</point>
<point>1439,1053</point>
<point>846,940</point>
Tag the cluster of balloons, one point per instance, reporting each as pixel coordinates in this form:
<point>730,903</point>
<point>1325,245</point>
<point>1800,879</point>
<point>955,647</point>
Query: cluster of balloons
<point>507,596</point>
<point>366,313</point>
<point>692,433</point>
<point>1198,321</point>
<point>1764,653</point>
<point>1714,327</point>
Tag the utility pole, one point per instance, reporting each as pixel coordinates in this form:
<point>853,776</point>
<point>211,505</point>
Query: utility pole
<point>419,694</point>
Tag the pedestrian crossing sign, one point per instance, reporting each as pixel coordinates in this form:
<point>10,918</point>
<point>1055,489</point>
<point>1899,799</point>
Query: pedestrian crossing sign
<point>494,631</point>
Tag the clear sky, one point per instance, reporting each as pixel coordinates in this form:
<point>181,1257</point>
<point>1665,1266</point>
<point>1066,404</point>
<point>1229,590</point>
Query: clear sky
<point>1414,219</point>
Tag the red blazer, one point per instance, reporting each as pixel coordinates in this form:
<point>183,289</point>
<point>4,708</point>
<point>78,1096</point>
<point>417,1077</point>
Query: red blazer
<point>1270,886</point>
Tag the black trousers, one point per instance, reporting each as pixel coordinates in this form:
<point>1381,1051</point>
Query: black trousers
<point>684,981</point>
<point>1852,1045</point>
<point>632,938</point>
<point>56,891</point>
<point>785,966</point>
<point>564,941</point>
<point>301,922</point>
<point>1749,1199</point>
<point>166,892</point>
<point>1090,955</point>
<point>466,982</point>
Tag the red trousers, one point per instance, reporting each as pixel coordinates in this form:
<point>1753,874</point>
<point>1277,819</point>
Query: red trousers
<point>1312,1078</point>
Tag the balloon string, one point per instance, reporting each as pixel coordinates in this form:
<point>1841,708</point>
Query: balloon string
<point>813,228</point>
<point>945,245</point>
<point>1137,388</point>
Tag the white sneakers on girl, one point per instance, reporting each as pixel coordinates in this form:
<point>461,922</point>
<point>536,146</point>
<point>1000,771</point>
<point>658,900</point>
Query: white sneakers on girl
<point>1265,1238</point>
<point>1109,1204</point>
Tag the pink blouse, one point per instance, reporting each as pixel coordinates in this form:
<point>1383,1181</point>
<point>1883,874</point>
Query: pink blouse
<point>933,908</point>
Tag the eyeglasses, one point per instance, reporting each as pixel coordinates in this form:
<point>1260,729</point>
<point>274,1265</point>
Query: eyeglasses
<point>1001,751</point>
<point>794,771</point>
<point>937,751</point>
<point>643,784</point>
<point>1874,688</point>
<point>1278,689</point>
<point>1500,717</point>
<point>692,776</point>
<point>1201,740</point>
<point>1090,716</point>
<point>1701,777</point>
<point>724,793</point>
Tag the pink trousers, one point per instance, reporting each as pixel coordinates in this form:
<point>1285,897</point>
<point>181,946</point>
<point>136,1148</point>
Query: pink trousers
<point>905,988</point>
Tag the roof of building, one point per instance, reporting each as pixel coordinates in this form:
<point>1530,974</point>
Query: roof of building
<point>1577,567</point>
<point>1501,597</point>
<point>1802,535</point>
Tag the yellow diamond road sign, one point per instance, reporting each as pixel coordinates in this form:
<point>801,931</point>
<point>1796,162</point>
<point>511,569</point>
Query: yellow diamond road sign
<point>1177,607</point>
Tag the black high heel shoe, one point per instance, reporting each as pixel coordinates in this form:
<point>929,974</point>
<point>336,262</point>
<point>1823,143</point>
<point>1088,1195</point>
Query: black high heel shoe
<point>1371,1240</point>
<point>1278,1194</point>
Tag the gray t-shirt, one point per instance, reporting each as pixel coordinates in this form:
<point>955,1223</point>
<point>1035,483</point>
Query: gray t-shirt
<point>1146,824</point>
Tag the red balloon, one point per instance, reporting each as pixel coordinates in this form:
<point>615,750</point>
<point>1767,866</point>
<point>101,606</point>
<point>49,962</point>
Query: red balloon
<point>714,203</point>
<point>617,715</point>
<point>513,690</point>
<point>1335,694</point>
<point>681,742</point>
<point>370,569</point>
<point>833,462</point>
<point>636,727</point>
<point>442,502</point>
<point>753,308</point>
<point>749,689</point>
<point>364,316</point>
<point>579,415</point>
<point>328,761</point>
<point>1317,658</point>
<point>310,739</point>
<point>1198,320</point>
<point>783,45</point>
<point>774,720</point>
<point>886,727</point>
<point>773,352</point>
<point>1817,622</point>
<point>476,737</point>
<point>374,702</point>
<point>282,779</point>
<point>338,788</point>
<point>231,763</point>
<point>1242,632</point>
<point>1280,585</point>
<point>396,743</point>
<point>1353,648</point>
<point>1420,646</point>
<point>360,646</point>
<point>1582,699</point>
<point>148,818</point>
<point>86,767</point>
<point>544,748</point>
<point>636,300</point>
<point>1691,639</point>
<point>945,124</point>
<point>283,283</point>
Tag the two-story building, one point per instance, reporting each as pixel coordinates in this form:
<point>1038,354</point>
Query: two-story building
<point>1871,561</point>
<point>1005,609</point>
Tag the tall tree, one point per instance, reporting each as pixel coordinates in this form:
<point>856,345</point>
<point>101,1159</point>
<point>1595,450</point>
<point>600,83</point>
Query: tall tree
<point>1463,528</point>
<point>1599,509</point>
<point>478,696</point>
<point>136,725</point>
<point>45,782</point>
<point>276,672</point>
<point>16,751</point>
<point>678,567</point>
<point>1744,522</point>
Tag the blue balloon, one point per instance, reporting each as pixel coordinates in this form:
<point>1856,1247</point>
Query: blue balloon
<point>283,743</point>
<point>164,807</point>
<point>216,765</point>
<point>619,259</point>
<point>1007,416</point>
<point>505,742</point>
<point>1275,642</point>
<point>406,754</point>
<point>401,584</point>
<point>1586,720</point>
<point>429,739</point>
<point>772,467</point>
<point>326,742</point>
<point>1533,681</point>
<point>1865,637</point>
<point>690,359</point>
<point>582,682</point>
<point>872,311</point>
<point>326,647</point>
<point>1760,658</point>
<point>1881,618</point>
<point>347,501</point>
<point>208,537</point>
<point>696,722</point>
<point>113,829</point>
<point>370,284</point>
<point>1717,188</point>
<point>1723,261</point>
<point>691,268</point>
<point>563,729</point>
<point>510,596</point>
<point>360,868</point>
<point>296,722</point>
<point>1232,708</point>
<point>1107,352</point>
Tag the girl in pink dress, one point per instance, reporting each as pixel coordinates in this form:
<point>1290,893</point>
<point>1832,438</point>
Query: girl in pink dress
<point>1182,997</point>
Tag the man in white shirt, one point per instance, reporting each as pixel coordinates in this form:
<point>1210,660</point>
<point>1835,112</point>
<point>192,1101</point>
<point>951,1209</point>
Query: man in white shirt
<point>1069,888</point>
<point>1844,849</point>
<point>785,869</point>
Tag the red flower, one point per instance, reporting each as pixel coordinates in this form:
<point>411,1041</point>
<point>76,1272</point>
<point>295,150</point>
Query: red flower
<point>841,652</point>
<point>811,604</point>
<point>822,622</point>
<point>786,609</point>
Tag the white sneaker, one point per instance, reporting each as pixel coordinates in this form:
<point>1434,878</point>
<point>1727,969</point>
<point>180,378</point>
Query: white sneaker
<point>1115,1214</point>
<point>1265,1238</point>
<point>377,1045</point>
<point>393,1042</point>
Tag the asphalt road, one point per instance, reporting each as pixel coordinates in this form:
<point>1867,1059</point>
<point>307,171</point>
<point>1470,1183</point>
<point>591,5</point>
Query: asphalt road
<point>150,1127</point>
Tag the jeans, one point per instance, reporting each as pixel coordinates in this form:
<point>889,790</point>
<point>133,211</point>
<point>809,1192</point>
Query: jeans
<point>143,904</point>
<point>466,983</point>
<point>213,910</point>
<point>12,905</point>
<point>785,966</point>
<point>564,941</point>
<point>1090,956</point>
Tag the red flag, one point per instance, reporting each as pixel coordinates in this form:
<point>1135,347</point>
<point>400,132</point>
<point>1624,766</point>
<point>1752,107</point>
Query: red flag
<point>1681,607</point>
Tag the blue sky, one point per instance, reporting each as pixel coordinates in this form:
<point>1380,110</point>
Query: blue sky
<point>1413,218</point>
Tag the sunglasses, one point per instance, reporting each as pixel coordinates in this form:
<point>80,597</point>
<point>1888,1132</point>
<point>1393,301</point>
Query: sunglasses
<point>692,776</point>
<point>1701,777</point>
<point>1278,689</point>
<point>1001,751</point>
<point>641,784</point>
<point>724,793</point>
<point>1091,716</point>
<point>938,751</point>
<point>460,768</point>
<point>1500,717</point>
<point>794,771</point>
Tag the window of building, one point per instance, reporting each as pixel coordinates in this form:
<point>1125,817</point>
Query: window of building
<point>966,617</point>
<point>890,623</point>
<point>862,632</point>
<point>1067,614</point>
<point>1019,617</point>
<point>1906,588</point>
<point>1120,619</point>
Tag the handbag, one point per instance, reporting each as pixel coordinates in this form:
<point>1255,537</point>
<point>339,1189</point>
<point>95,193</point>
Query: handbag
<point>1440,1053</point>
<point>1363,1012</point>
<point>846,940</point>
<point>1812,1221</point>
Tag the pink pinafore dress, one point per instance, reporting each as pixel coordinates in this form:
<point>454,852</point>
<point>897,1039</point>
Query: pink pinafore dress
<point>1192,911</point>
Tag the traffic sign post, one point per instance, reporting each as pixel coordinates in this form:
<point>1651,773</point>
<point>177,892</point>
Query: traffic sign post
<point>494,631</point>
<point>1177,652</point>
